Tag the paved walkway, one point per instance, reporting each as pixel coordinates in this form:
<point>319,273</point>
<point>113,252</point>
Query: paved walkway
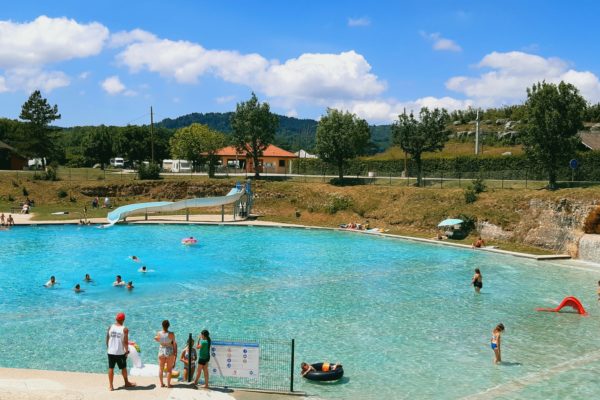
<point>30,384</point>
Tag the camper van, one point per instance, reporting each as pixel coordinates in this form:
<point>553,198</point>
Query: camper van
<point>176,166</point>
<point>117,162</point>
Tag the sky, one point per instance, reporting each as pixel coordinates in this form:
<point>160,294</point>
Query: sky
<point>108,62</point>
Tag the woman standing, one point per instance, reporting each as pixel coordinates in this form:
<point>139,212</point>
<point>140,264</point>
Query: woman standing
<point>203,357</point>
<point>495,342</point>
<point>167,352</point>
<point>477,280</point>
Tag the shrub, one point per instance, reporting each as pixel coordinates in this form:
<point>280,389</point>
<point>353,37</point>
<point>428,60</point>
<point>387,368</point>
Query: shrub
<point>11,198</point>
<point>62,193</point>
<point>470,195</point>
<point>150,171</point>
<point>337,203</point>
<point>15,183</point>
<point>468,223</point>
<point>25,192</point>
<point>479,185</point>
<point>592,222</point>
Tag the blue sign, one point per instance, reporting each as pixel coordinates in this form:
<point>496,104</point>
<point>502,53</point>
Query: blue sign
<point>573,164</point>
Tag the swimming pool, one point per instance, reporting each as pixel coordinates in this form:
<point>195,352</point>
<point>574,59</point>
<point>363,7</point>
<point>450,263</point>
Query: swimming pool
<point>401,316</point>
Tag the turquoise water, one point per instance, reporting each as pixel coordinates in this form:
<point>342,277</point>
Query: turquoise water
<point>401,316</point>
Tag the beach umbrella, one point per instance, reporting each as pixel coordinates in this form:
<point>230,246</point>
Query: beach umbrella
<point>450,222</point>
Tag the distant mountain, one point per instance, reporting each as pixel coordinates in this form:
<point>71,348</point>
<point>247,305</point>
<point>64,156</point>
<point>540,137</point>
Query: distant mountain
<point>293,133</point>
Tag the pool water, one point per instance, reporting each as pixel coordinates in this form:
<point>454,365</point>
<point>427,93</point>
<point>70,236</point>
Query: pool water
<point>401,316</point>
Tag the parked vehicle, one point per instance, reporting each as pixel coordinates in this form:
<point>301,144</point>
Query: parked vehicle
<point>176,166</point>
<point>117,162</point>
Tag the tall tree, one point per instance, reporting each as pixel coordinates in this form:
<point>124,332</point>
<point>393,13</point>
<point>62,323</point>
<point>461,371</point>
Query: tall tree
<point>341,136</point>
<point>98,145</point>
<point>428,133</point>
<point>196,143</point>
<point>38,114</point>
<point>253,128</point>
<point>554,116</point>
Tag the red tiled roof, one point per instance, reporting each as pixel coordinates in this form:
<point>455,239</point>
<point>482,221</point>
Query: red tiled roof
<point>270,151</point>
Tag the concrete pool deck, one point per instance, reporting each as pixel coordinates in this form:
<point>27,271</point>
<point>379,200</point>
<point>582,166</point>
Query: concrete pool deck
<point>31,384</point>
<point>213,219</point>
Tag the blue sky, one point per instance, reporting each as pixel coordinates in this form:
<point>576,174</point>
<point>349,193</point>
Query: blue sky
<point>109,62</point>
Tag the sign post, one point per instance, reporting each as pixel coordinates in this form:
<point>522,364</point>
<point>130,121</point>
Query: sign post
<point>234,359</point>
<point>573,164</point>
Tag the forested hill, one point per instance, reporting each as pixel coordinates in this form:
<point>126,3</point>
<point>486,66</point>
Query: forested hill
<point>292,134</point>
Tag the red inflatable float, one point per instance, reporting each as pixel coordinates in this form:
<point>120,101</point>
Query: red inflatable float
<point>570,301</point>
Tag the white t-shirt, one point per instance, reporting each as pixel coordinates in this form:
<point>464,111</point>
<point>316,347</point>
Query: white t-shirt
<point>116,333</point>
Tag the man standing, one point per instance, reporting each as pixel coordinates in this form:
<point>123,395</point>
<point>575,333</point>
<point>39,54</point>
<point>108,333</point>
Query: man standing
<point>117,343</point>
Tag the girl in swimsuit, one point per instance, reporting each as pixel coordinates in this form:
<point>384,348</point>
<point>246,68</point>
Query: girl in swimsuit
<point>477,280</point>
<point>167,352</point>
<point>495,342</point>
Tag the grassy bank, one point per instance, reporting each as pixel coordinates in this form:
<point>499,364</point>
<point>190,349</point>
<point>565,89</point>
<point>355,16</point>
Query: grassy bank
<point>401,210</point>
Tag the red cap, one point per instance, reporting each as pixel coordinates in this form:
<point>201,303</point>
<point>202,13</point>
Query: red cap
<point>120,316</point>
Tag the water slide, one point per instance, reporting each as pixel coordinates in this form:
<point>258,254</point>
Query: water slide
<point>570,301</point>
<point>122,212</point>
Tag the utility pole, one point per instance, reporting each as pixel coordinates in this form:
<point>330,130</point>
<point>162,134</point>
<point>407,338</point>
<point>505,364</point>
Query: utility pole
<point>152,133</point>
<point>477,133</point>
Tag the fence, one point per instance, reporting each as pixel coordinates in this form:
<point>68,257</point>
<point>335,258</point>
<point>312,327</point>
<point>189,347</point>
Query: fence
<point>276,362</point>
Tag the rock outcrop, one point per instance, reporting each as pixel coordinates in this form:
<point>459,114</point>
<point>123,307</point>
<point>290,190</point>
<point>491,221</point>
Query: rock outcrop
<point>589,248</point>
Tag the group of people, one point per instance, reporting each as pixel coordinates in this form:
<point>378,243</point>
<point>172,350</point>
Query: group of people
<point>119,282</point>
<point>6,221</point>
<point>96,203</point>
<point>117,344</point>
<point>477,282</point>
<point>354,225</point>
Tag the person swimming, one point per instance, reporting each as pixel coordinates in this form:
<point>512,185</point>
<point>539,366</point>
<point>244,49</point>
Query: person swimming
<point>135,258</point>
<point>143,269</point>
<point>77,288</point>
<point>119,281</point>
<point>51,282</point>
<point>87,278</point>
<point>130,285</point>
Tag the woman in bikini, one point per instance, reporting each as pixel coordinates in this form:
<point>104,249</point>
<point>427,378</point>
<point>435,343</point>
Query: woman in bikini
<point>477,280</point>
<point>167,352</point>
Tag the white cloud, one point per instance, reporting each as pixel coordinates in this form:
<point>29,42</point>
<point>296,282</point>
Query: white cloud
<point>3,87</point>
<point>124,38</point>
<point>291,113</point>
<point>359,22</point>
<point>224,99</point>
<point>311,76</point>
<point>386,111</point>
<point>512,72</point>
<point>112,85</point>
<point>30,79</point>
<point>47,40</point>
<point>84,75</point>
<point>440,43</point>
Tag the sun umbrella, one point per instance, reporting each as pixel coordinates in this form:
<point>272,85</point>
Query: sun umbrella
<point>450,222</point>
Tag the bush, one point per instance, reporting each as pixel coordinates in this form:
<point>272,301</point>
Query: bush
<point>150,171</point>
<point>479,185</point>
<point>11,198</point>
<point>470,195</point>
<point>25,192</point>
<point>468,223</point>
<point>337,203</point>
<point>62,193</point>
<point>592,222</point>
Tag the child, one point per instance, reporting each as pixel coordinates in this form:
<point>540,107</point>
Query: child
<point>306,368</point>
<point>204,357</point>
<point>495,342</point>
<point>184,359</point>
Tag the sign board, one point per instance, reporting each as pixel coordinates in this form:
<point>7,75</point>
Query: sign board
<point>234,359</point>
<point>573,164</point>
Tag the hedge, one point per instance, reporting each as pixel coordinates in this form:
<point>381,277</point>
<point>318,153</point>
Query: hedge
<point>510,167</point>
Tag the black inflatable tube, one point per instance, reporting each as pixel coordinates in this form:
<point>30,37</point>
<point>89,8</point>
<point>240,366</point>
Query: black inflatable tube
<point>322,376</point>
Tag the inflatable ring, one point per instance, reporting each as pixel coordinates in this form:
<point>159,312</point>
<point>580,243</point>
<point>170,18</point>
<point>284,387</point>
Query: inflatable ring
<point>188,241</point>
<point>323,376</point>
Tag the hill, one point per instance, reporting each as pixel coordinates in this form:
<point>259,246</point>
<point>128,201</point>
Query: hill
<point>293,133</point>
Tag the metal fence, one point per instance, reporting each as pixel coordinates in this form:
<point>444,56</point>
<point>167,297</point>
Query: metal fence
<point>276,367</point>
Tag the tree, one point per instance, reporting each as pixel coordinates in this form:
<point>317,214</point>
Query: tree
<point>196,143</point>
<point>428,133</point>
<point>38,114</point>
<point>98,145</point>
<point>254,129</point>
<point>341,136</point>
<point>554,116</point>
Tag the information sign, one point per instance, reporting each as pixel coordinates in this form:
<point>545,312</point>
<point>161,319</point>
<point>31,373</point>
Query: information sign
<point>234,359</point>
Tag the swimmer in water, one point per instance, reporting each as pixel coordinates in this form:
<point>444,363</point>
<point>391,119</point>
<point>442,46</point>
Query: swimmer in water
<point>130,285</point>
<point>78,289</point>
<point>87,278</point>
<point>135,258</point>
<point>118,281</point>
<point>143,269</point>
<point>51,282</point>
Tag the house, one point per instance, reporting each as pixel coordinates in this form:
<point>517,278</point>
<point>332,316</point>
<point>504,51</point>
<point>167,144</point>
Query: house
<point>10,159</point>
<point>590,139</point>
<point>274,160</point>
<point>304,154</point>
